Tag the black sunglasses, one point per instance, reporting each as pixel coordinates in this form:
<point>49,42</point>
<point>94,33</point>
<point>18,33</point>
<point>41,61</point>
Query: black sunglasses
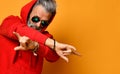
<point>36,19</point>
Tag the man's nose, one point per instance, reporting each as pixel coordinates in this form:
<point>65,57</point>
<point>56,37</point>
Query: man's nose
<point>38,24</point>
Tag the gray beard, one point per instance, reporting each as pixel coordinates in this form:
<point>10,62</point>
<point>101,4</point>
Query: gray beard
<point>33,26</point>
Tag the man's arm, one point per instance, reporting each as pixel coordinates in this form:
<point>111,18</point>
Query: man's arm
<point>13,24</point>
<point>27,44</point>
<point>61,49</point>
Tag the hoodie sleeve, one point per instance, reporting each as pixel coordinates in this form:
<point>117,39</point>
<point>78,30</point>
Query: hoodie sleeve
<point>13,24</point>
<point>47,53</point>
<point>50,54</point>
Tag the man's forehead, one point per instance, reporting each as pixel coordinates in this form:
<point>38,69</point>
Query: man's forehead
<point>40,11</point>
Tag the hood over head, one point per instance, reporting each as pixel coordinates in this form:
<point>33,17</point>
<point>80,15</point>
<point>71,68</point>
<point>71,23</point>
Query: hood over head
<point>26,10</point>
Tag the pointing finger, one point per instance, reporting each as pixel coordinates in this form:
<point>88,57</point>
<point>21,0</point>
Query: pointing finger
<point>75,52</point>
<point>65,54</point>
<point>67,51</point>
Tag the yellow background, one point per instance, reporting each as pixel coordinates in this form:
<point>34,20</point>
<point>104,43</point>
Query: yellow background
<point>92,26</point>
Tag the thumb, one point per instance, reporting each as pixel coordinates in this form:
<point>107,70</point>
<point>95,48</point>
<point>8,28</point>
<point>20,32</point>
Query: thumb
<point>19,48</point>
<point>17,35</point>
<point>64,58</point>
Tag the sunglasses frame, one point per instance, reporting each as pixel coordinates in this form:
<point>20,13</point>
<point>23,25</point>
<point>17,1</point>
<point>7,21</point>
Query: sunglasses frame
<point>36,19</point>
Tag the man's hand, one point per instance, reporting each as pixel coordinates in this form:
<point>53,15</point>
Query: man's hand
<point>63,50</point>
<point>25,43</point>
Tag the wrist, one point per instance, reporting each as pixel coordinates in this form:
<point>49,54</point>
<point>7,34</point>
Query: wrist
<point>51,43</point>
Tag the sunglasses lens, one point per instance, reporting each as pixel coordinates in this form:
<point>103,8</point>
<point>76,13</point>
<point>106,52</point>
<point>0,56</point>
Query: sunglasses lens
<point>35,19</point>
<point>44,23</point>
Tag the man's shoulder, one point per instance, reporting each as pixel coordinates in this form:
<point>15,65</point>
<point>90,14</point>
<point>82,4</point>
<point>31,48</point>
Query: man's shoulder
<point>11,18</point>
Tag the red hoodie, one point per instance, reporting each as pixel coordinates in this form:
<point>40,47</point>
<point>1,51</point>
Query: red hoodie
<point>22,62</point>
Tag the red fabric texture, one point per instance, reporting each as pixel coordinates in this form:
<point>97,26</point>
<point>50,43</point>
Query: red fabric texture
<point>22,62</point>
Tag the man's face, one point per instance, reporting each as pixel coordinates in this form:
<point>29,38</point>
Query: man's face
<point>39,18</point>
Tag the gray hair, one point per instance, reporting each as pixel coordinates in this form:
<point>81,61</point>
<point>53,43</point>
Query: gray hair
<point>49,5</point>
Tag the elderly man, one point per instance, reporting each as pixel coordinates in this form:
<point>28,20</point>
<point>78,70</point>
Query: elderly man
<point>24,42</point>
